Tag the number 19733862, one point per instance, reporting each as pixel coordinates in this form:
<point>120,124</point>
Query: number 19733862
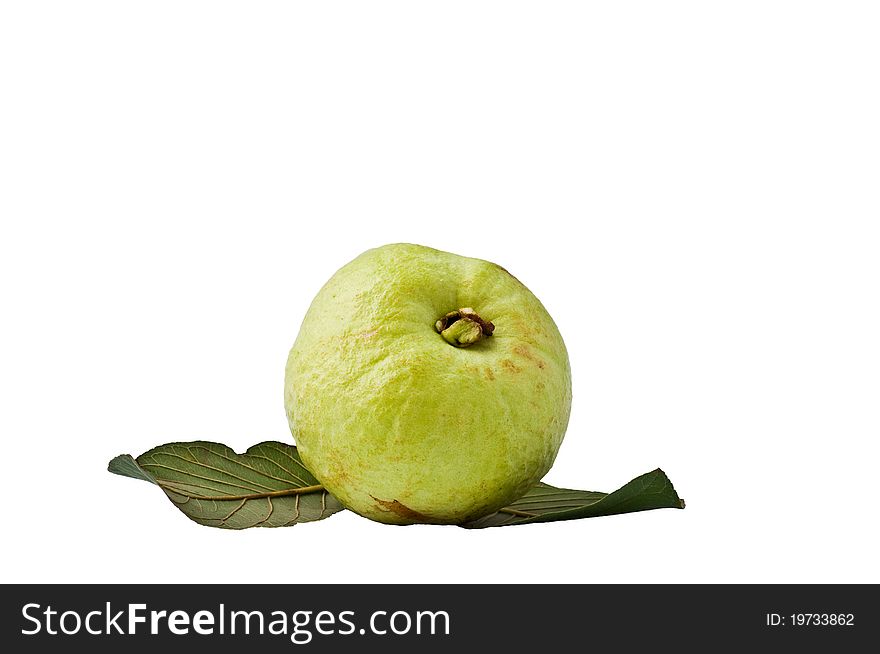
<point>810,620</point>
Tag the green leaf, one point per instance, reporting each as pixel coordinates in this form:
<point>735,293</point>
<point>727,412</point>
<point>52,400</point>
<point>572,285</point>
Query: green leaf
<point>545,503</point>
<point>267,486</point>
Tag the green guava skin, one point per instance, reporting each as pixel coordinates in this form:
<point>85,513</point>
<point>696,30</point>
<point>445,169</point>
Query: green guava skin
<point>404,427</point>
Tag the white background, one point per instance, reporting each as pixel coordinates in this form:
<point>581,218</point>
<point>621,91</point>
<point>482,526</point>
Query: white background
<point>691,189</point>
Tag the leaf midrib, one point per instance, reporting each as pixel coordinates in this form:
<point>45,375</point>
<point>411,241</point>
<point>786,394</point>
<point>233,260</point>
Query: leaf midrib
<point>252,496</point>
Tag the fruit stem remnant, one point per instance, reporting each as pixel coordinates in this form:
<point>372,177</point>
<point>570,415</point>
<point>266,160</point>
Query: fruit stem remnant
<point>463,327</point>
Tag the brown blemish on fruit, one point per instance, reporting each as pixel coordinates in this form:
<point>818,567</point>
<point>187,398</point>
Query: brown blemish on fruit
<point>490,375</point>
<point>507,364</point>
<point>400,509</point>
<point>526,353</point>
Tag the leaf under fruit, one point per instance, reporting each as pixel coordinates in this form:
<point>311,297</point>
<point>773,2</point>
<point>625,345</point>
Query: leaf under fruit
<point>267,486</point>
<point>545,503</point>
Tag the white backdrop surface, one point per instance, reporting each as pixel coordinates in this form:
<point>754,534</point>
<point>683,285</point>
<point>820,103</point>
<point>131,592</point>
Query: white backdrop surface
<point>691,190</point>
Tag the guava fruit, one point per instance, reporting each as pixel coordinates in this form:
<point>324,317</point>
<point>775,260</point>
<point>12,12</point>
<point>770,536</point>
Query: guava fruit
<point>427,387</point>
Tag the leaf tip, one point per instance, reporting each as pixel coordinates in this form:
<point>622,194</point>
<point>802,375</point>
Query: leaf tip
<point>126,466</point>
<point>118,463</point>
